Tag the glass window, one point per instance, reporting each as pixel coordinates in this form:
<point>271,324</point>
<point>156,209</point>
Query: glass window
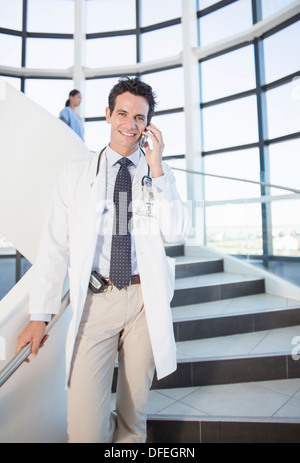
<point>234,228</point>
<point>7,275</point>
<point>285,165</point>
<point>281,52</point>
<point>162,43</point>
<point>283,111</point>
<point>97,135</point>
<point>239,164</point>
<point>105,15</point>
<point>270,7</point>
<point>285,227</point>
<point>227,74</point>
<point>180,176</point>
<point>168,86</point>
<point>53,16</point>
<point>51,94</point>
<point>206,3</point>
<point>156,11</point>
<point>230,124</point>
<point>50,53</point>
<point>10,50</point>
<point>111,51</point>
<point>226,21</point>
<point>172,127</point>
<point>96,95</point>
<point>11,14</point>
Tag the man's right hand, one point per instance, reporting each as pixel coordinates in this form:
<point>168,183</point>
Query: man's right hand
<point>35,333</point>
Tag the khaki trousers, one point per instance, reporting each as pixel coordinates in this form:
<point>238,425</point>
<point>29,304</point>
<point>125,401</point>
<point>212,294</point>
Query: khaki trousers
<point>112,322</point>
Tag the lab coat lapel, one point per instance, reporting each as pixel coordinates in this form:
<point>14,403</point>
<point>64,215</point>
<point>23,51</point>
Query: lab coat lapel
<point>95,205</point>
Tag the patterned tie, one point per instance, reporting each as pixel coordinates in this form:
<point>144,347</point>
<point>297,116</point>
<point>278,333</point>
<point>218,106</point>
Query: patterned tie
<point>120,259</point>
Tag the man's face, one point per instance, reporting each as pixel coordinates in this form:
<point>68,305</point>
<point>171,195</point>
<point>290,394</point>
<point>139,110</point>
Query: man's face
<point>128,120</point>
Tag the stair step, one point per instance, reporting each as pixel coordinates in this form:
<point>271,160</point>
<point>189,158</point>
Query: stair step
<point>240,358</point>
<point>265,411</point>
<point>174,250</point>
<point>222,431</point>
<point>255,356</point>
<point>234,316</point>
<point>214,287</point>
<point>189,266</point>
<point>263,399</point>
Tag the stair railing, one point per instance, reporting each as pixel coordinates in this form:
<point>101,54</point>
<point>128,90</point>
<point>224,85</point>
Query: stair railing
<point>24,353</point>
<point>224,177</point>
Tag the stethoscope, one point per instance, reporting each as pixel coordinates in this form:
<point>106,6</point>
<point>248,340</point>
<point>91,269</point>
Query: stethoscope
<point>146,187</point>
<point>146,180</point>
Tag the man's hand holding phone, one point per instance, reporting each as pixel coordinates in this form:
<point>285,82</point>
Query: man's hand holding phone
<point>154,155</point>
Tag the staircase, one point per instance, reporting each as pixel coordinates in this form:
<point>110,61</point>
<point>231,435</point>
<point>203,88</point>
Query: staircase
<point>236,379</point>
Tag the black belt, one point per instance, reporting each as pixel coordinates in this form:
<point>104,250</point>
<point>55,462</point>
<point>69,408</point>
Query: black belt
<point>135,280</point>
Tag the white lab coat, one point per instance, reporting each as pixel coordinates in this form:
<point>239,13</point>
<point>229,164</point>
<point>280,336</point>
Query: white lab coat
<point>69,239</point>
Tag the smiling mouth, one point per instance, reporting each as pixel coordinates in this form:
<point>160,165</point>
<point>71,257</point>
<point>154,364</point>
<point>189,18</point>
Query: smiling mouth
<point>127,134</point>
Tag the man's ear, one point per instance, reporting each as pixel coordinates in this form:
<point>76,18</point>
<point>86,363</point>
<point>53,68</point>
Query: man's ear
<point>107,114</point>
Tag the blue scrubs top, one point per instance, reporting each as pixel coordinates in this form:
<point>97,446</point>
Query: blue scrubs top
<point>73,121</point>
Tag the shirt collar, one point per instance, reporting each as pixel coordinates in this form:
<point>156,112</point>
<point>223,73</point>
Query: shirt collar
<point>113,157</point>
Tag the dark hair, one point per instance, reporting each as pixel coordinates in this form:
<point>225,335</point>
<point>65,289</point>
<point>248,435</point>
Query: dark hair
<point>136,87</point>
<point>72,93</point>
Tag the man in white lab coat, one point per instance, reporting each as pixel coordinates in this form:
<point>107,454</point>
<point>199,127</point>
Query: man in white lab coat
<point>134,322</point>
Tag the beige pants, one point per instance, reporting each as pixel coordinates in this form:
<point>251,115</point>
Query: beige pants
<point>112,322</point>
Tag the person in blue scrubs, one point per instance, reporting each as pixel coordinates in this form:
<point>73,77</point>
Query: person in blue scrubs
<point>69,116</point>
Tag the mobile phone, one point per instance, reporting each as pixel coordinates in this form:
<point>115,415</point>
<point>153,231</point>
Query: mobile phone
<point>96,284</point>
<point>142,141</point>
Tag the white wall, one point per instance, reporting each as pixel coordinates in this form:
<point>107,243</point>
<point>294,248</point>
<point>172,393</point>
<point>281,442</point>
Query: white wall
<point>34,147</point>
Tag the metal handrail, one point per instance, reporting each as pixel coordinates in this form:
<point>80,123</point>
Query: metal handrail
<point>256,182</point>
<point>22,355</point>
